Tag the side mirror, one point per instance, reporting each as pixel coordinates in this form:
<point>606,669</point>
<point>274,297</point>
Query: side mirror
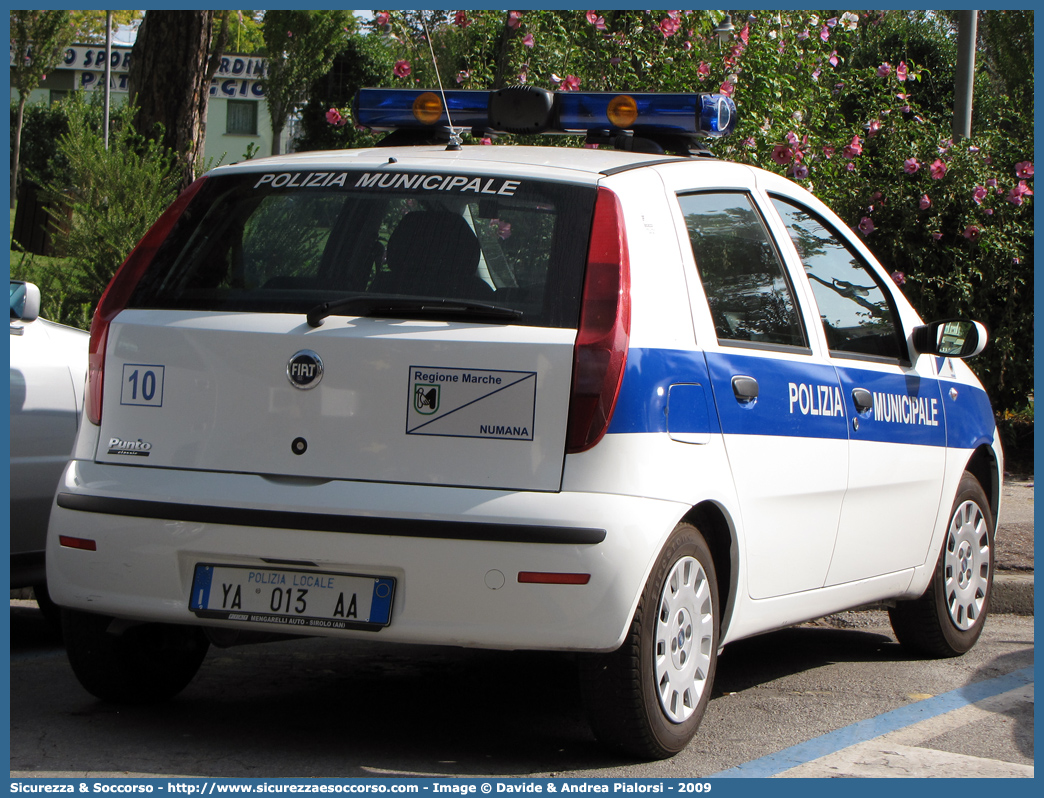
<point>25,301</point>
<point>958,338</point>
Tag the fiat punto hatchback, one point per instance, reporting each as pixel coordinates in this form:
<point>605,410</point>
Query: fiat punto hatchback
<point>632,402</point>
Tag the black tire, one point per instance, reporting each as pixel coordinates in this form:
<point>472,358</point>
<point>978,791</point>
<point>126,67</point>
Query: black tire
<point>947,620</point>
<point>145,664</point>
<point>622,690</point>
<point>51,611</point>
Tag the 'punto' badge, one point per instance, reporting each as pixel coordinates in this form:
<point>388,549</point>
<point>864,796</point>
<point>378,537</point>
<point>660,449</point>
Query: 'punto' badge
<point>305,369</point>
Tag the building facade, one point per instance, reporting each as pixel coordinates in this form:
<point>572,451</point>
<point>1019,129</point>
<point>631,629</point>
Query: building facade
<point>238,123</point>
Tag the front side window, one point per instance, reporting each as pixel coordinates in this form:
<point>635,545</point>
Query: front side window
<point>287,241</point>
<point>751,300</point>
<point>858,318</point>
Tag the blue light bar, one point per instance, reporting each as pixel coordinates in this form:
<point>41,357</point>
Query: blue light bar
<point>525,109</point>
<point>712,115</point>
<point>391,109</point>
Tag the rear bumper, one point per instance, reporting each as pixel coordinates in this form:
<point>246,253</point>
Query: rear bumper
<point>455,553</point>
<point>331,522</point>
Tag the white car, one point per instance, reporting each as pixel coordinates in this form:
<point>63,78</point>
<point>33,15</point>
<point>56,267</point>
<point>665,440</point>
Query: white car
<point>48,373</point>
<point>620,402</point>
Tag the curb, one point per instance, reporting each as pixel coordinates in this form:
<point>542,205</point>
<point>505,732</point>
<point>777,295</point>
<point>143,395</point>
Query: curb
<point>1012,593</point>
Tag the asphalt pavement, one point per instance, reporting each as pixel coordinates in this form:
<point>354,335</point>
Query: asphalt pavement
<point>820,699</point>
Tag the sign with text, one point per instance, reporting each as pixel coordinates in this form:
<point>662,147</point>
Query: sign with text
<point>92,57</point>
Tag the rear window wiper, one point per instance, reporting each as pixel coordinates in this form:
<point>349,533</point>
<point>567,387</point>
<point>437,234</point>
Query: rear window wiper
<point>394,306</point>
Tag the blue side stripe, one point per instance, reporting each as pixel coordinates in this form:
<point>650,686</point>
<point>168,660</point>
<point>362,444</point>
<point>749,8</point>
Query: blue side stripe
<point>797,398</point>
<point>642,405</point>
<point>907,408</point>
<point>974,424</point>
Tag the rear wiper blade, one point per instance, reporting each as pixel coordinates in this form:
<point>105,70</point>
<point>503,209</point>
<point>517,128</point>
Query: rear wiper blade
<point>399,306</point>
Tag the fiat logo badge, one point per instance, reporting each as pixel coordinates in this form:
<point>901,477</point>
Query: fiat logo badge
<point>305,369</point>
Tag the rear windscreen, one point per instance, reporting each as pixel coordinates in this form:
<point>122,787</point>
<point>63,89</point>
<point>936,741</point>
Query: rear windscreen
<point>284,242</point>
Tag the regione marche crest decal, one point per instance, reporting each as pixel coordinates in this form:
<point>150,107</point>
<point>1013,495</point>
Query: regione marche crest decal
<point>471,403</point>
<point>425,398</point>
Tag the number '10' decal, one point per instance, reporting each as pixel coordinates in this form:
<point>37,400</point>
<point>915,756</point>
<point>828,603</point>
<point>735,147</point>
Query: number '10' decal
<point>142,385</point>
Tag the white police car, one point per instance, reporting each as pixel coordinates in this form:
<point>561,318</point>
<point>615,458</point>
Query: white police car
<point>618,402</point>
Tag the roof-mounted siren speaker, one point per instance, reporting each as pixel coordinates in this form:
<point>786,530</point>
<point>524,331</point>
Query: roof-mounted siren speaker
<point>521,109</point>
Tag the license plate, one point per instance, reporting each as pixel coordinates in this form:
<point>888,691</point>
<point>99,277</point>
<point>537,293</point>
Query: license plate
<point>296,599</point>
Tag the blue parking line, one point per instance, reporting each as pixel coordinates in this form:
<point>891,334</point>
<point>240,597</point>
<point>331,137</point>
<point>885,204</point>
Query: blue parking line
<point>868,729</point>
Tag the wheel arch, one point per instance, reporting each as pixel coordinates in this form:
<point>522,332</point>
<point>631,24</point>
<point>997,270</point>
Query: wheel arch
<point>717,529</point>
<point>984,467</point>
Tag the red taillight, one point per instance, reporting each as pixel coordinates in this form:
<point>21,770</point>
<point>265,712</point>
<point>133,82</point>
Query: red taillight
<point>605,327</point>
<point>118,293</point>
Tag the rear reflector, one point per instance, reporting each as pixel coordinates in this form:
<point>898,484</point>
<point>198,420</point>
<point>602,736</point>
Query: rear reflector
<point>77,543</point>
<point>118,294</point>
<point>543,578</point>
<point>600,353</point>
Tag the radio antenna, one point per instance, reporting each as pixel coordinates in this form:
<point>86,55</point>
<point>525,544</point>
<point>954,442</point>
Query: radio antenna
<point>454,142</point>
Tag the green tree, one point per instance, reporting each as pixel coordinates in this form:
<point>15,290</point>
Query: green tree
<point>174,58</point>
<point>90,25</point>
<point>364,61</point>
<point>245,36</point>
<point>300,47</point>
<point>115,194</point>
<point>38,43</point>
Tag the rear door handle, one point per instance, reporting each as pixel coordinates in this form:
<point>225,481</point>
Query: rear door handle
<point>745,388</point>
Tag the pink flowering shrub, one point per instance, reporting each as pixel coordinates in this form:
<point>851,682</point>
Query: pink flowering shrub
<point>597,21</point>
<point>1018,192</point>
<point>853,148</point>
<point>568,83</point>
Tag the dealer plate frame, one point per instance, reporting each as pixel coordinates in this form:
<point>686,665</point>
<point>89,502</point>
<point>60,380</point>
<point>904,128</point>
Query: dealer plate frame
<point>379,616</point>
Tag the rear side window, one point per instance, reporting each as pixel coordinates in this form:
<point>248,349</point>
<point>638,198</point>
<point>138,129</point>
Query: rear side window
<point>751,300</point>
<point>284,242</point>
<point>857,313</point>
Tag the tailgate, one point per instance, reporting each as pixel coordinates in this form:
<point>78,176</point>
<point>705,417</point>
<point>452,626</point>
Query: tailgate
<point>424,402</point>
